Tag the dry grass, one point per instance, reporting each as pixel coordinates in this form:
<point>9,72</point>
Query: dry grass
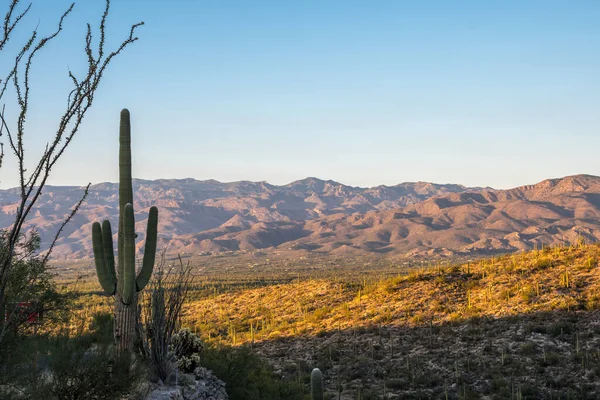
<point>506,286</point>
<point>517,326</point>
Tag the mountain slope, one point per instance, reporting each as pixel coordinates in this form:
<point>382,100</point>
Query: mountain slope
<point>325,216</point>
<point>487,221</point>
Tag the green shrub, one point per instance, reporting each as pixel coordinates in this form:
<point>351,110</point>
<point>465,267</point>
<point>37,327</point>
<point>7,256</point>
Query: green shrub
<point>81,372</point>
<point>247,377</point>
<point>527,348</point>
<point>561,328</point>
<point>543,263</point>
<point>76,368</point>
<point>102,328</point>
<point>73,368</point>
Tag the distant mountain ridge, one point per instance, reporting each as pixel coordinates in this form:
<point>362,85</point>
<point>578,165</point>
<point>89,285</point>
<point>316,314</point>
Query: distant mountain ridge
<point>415,218</point>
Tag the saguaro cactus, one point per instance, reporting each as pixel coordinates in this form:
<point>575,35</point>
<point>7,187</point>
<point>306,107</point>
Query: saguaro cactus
<point>124,284</point>
<point>316,384</point>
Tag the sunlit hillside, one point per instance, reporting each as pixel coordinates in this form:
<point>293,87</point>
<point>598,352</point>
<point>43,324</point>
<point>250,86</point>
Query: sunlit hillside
<point>525,325</point>
<point>518,326</point>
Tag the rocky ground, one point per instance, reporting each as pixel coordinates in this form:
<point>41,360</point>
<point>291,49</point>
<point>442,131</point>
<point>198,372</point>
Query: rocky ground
<point>201,385</point>
<point>539,356</point>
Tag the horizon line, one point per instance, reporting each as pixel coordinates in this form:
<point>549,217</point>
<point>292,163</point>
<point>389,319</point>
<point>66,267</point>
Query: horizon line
<point>309,178</point>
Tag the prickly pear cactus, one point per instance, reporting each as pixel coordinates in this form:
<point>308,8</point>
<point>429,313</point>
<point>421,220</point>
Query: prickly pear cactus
<point>123,283</point>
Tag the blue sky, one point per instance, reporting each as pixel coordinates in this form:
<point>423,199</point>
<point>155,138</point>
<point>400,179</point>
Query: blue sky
<point>482,93</point>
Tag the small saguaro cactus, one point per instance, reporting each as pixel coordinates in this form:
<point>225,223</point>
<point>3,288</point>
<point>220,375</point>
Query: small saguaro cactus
<point>316,384</point>
<point>123,283</point>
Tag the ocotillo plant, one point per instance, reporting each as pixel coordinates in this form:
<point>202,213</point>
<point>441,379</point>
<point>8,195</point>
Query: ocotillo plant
<point>123,283</point>
<point>316,384</point>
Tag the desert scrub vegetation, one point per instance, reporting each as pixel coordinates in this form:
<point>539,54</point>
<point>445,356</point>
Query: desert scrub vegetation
<point>540,281</point>
<point>250,377</point>
<point>515,325</point>
<point>71,366</point>
<point>502,327</point>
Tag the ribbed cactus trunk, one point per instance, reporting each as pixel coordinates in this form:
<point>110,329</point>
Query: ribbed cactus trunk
<point>125,311</point>
<point>125,322</point>
<point>123,283</point>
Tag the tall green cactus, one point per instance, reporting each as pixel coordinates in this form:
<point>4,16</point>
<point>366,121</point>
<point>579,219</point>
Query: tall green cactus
<point>123,283</point>
<point>316,385</point>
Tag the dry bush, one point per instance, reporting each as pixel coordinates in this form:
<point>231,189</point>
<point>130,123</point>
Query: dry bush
<point>161,308</point>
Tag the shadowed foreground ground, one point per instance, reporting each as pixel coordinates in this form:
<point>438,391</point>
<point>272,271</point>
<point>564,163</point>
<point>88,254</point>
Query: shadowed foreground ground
<point>554,355</point>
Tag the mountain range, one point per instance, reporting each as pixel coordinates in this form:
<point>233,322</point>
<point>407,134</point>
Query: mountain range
<point>311,215</point>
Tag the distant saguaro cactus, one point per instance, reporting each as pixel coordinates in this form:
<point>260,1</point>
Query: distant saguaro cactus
<point>123,283</point>
<point>316,384</point>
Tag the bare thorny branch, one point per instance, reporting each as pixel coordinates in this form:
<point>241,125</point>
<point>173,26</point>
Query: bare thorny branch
<point>162,306</point>
<point>79,100</point>
<point>66,221</point>
<point>10,23</point>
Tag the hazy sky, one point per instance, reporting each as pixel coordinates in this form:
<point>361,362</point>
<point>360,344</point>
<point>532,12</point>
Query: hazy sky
<point>490,93</point>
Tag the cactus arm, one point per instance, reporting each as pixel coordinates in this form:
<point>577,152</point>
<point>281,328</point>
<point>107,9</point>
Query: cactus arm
<point>109,255</point>
<point>120,253</point>
<point>128,255</point>
<point>106,281</point>
<point>316,384</point>
<point>149,250</point>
